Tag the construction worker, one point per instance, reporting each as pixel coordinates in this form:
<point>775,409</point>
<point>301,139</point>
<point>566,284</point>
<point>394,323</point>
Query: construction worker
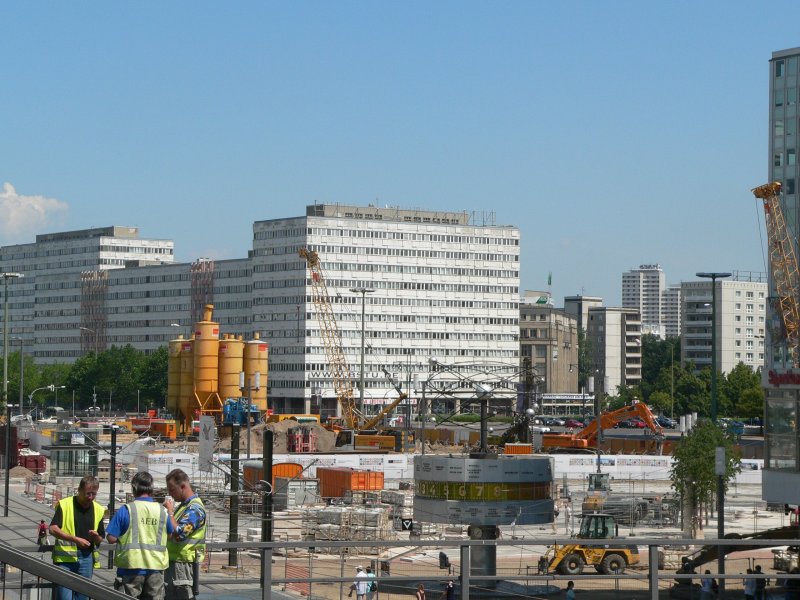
<point>187,544</point>
<point>77,526</point>
<point>140,529</point>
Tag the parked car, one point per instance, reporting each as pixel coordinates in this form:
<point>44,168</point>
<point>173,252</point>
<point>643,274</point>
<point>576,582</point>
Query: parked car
<point>666,422</point>
<point>573,424</point>
<point>540,429</point>
<point>554,422</point>
<point>637,423</point>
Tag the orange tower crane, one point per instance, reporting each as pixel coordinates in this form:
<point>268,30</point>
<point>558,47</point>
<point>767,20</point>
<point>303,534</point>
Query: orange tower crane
<point>332,339</point>
<point>783,265</point>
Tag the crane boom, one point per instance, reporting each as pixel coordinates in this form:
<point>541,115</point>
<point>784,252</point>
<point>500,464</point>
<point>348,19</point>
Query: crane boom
<point>373,422</point>
<point>332,339</point>
<point>783,264</point>
<point>587,437</point>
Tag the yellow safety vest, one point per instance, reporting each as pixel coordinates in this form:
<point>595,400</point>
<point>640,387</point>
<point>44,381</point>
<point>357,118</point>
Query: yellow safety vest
<point>67,552</point>
<point>194,546</point>
<point>144,544</point>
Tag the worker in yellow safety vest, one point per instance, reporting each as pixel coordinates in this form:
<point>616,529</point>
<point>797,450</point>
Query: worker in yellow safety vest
<point>187,545</point>
<point>140,529</point>
<point>77,527</point>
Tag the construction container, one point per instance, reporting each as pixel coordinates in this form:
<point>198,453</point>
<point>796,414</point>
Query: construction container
<point>292,493</point>
<point>256,353</point>
<point>174,374</point>
<point>15,443</point>
<point>164,428</point>
<point>33,462</point>
<point>335,481</point>
<point>231,353</point>
<point>253,471</point>
<point>518,448</point>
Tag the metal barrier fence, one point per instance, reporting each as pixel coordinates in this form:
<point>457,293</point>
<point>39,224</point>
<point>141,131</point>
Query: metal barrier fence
<point>307,569</point>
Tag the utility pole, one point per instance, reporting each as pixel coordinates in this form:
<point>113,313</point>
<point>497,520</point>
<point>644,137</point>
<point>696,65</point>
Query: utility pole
<point>233,518</point>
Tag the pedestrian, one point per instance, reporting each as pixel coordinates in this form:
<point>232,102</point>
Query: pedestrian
<point>449,592</point>
<point>187,545</point>
<point>706,586</point>
<point>372,587</point>
<point>41,535</point>
<point>360,585</point>
<point>140,529</point>
<point>541,567</point>
<point>420,595</point>
<point>749,587</point>
<point>570,590</point>
<point>761,584</point>
<point>77,527</point>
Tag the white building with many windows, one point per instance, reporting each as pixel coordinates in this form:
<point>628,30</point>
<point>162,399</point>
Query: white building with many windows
<point>642,289</point>
<point>445,287</point>
<point>740,320</point>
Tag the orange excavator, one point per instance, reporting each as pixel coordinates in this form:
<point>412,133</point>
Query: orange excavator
<point>587,437</point>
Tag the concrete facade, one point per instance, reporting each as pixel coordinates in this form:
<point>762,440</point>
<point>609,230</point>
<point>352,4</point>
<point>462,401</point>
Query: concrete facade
<point>642,289</point>
<point>616,340</point>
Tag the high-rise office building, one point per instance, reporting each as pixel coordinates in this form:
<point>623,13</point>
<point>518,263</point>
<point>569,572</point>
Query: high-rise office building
<point>671,310</point>
<point>781,477</point>
<point>642,289</point>
<point>446,287</point>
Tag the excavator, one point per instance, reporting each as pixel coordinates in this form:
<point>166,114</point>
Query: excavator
<point>586,438</point>
<point>354,432</point>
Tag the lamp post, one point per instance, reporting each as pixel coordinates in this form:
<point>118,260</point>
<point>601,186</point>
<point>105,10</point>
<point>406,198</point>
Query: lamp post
<point>50,387</point>
<point>713,276</point>
<point>363,291</point>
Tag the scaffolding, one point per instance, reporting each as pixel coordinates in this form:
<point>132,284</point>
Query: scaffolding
<point>94,291</point>
<point>202,279</point>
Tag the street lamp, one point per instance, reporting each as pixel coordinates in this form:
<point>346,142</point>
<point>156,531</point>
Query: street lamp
<point>6,277</point>
<point>50,387</point>
<point>363,291</point>
<point>713,276</point>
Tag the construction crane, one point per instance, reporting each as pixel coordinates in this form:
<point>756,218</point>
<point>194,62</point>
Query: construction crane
<point>783,265</point>
<point>332,339</point>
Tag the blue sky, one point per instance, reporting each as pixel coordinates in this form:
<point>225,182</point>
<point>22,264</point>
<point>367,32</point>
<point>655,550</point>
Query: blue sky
<point>611,133</point>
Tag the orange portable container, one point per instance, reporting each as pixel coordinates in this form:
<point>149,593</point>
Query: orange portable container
<point>518,448</point>
<point>253,471</point>
<point>165,428</point>
<point>335,481</point>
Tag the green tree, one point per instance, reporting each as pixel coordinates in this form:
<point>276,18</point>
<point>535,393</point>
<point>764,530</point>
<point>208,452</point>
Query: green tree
<point>751,403</point>
<point>693,475</point>
<point>660,402</point>
<point>691,392</point>
<point>585,352</point>
<point>153,378</point>
<point>658,357</point>
<point>737,382</point>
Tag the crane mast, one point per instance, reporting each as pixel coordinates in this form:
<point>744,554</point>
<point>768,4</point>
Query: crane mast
<point>332,339</point>
<point>783,265</point>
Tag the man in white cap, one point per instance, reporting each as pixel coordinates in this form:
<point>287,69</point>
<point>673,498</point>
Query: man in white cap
<point>360,585</point>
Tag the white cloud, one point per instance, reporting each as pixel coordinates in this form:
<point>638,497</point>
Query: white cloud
<point>22,217</point>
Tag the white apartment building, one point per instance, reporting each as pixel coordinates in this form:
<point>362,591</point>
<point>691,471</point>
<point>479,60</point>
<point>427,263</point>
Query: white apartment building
<point>615,335</point>
<point>580,306</point>
<point>671,310</point>
<point>740,322</point>
<point>444,288</point>
<point>642,289</point>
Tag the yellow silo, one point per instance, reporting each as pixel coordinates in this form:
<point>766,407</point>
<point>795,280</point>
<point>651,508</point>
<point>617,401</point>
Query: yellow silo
<point>186,397</point>
<point>174,374</point>
<point>206,366</point>
<point>256,353</point>
<point>231,352</point>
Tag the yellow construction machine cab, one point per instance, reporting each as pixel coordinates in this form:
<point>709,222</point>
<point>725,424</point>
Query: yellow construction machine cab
<point>597,526</point>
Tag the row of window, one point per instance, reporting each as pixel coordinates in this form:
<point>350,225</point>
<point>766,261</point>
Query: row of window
<point>784,67</point>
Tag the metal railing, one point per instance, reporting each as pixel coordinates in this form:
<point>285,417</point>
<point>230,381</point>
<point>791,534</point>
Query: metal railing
<point>326,569</point>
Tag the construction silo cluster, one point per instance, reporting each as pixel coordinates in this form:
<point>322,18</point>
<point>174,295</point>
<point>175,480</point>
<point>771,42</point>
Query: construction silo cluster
<point>204,371</point>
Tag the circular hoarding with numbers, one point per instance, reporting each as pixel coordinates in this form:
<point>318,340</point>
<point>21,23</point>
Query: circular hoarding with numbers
<point>483,491</point>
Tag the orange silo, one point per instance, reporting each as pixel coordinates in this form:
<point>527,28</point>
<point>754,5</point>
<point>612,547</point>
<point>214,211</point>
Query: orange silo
<point>231,353</point>
<point>256,353</point>
<point>174,374</point>
<point>206,367</point>
<point>186,397</point>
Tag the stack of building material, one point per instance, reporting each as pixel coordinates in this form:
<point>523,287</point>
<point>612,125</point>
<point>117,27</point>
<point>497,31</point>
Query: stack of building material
<point>402,503</point>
